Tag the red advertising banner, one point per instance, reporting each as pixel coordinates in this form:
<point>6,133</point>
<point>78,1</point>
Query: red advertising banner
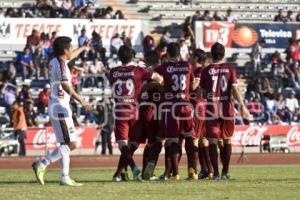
<point>37,138</point>
<point>243,135</point>
<point>251,135</point>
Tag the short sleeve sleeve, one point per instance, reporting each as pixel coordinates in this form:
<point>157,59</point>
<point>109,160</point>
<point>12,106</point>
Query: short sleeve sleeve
<point>145,74</point>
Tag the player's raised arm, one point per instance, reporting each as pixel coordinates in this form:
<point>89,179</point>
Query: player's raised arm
<point>78,51</point>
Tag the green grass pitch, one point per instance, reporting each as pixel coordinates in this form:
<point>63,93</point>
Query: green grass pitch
<point>248,182</point>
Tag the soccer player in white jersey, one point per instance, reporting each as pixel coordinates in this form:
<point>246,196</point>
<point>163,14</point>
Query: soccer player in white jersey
<point>60,112</point>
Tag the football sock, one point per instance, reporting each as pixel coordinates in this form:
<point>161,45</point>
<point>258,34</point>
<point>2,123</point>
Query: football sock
<point>207,159</point>
<point>154,151</point>
<point>65,162</point>
<point>54,156</point>
<point>174,152</point>
<point>145,157</point>
<point>133,148</point>
<point>228,150</point>
<point>191,151</point>
<point>202,160</point>
<point>167,161</point>
<point>213,153</point>
<point>125,151</point>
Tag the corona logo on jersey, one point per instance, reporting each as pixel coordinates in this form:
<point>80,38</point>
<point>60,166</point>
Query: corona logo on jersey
<point>245,36</point>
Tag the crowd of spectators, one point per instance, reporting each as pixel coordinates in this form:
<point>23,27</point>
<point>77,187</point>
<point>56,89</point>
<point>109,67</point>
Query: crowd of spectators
<point>78,9</point>
<point>289,17</point>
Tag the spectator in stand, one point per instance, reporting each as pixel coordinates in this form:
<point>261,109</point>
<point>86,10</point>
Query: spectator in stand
<point>291,102</point>
<point>271,105</point>
<point>53,37</point>
<point>196,17</point>
<point>33,40</point>
<point>289,16</point>
<point>216,16</point>
<point>118,15</point>
<point>1,13</point>
<point>104,118</point>
<point>108,13</point>
<point>30,114</point>
<point>67,6</point>
<point>229,17</point>
<point>290,71</point>
<point>85,13</point>
<point>21,13</point>
<point>255,109</point>
<point>19,125</point>
<point>82,38</point>
<point>97,46</point>
<point>165,38</point>
<point>2,96</point>
<point>293,52</point>
<point>115,43</point>
<point>24,95</point>
<point>43,99</point>
<point>26,61</point>
<point>9,97</point>
<point>279,17</point>
<point>126,40</point>
<point>206,16</point>
<point>148,43</point>
<point>79,3</point>
<point>40,64</point>
<point>10,72</point>
<point>264,86</point>
<point>45,44</point>
<point>34,13</point>
<point>256,55</point>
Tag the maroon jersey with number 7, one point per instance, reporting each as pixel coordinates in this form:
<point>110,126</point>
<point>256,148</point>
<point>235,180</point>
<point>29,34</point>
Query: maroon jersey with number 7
<point>217,80</point>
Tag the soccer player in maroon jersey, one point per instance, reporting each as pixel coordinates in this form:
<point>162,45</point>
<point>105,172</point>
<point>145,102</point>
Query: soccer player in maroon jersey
<point>149,103</point>
<point>176,110</point>
<point>200,60</point>
<point>127,81</point>
<point>219,82</point>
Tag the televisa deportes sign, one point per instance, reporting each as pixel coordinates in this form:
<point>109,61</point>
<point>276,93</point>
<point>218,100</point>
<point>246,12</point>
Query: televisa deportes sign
<point>15,30</point>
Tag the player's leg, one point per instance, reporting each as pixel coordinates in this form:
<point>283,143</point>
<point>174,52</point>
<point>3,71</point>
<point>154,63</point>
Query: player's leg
<point>204,159</point>
<point>227,132</point>
<point>192,153</point>
<point>213,133</point>
<point>174,155</point>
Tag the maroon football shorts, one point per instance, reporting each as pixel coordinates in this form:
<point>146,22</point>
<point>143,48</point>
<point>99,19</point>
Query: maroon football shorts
<point>148,123</point>
<point>219,128</point>
<point>173,125</point>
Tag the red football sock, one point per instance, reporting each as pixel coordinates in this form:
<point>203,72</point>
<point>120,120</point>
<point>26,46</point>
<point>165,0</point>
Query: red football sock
<point>222,154</point>
<point>120,167</point>
<point>133,148</point>
<point>180,152</point>
<point>174,151</point>
<point>213,153</point>
<point>228,150</point>
<point>191,151</point>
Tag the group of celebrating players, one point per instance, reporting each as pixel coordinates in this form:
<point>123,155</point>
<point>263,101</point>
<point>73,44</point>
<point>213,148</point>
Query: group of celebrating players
<point>168,102</point>
<point>172,101</point>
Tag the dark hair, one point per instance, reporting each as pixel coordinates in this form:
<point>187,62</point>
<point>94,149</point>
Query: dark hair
<point>125,54</point>
<point>217,51</point>
<point>200,55</point>
<point>60,44</point>
<point>173,49</point>
<point>152,58</point>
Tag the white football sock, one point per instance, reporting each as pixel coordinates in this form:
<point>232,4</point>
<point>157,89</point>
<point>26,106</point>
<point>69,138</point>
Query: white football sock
<point>52,157</point>
<point>65,162</point>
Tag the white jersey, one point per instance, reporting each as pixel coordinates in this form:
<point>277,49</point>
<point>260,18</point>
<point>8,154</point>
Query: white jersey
<point>59,71</point>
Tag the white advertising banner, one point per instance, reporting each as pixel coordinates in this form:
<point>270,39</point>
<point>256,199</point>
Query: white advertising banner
<point>13,31</point>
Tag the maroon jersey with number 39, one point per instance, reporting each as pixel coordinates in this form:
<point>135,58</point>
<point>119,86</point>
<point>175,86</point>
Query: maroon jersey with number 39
<point>217,80</point>
<point>127,83</point>
<point>177,79</point>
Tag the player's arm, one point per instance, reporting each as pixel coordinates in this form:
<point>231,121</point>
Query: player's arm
<point>157,77</point>
<point>237,95</point>
<point>78,51</point>
<point>195,83</point>
<point>69,89</point>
